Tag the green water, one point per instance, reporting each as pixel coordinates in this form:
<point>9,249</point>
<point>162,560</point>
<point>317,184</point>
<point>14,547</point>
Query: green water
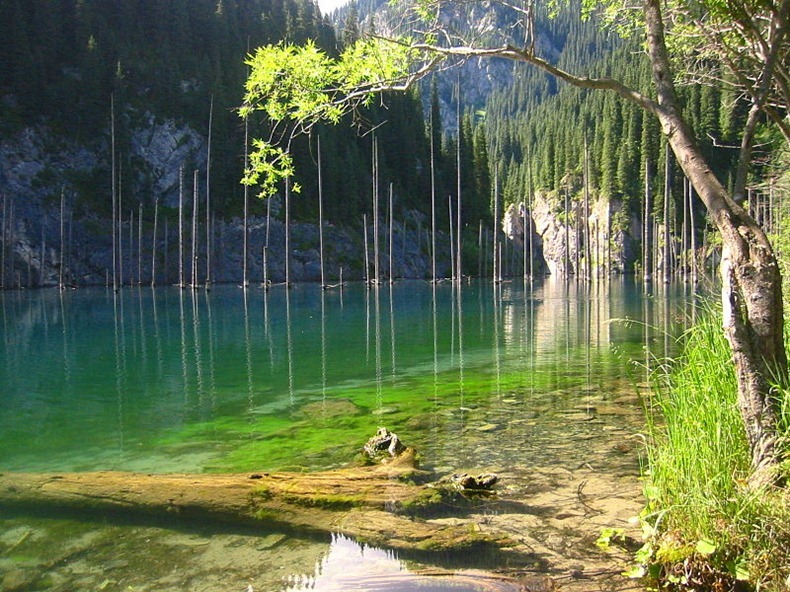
<point>503,378</point>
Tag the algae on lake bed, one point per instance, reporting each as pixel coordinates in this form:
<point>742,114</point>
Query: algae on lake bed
<point>322,429</point>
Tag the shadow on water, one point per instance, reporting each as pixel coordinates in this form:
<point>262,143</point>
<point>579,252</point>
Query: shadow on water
<point>117,552</point>
<point>539,382</point>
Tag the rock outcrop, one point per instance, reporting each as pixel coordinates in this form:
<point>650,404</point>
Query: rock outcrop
<point>562,241</point>
<point>36,170</point>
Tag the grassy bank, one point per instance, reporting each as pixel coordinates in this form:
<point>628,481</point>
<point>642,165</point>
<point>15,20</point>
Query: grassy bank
<point>706,530</point>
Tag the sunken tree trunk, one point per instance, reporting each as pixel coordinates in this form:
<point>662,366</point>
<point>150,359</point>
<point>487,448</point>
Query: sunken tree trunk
<point>372,504</point>
<point>751,281</point>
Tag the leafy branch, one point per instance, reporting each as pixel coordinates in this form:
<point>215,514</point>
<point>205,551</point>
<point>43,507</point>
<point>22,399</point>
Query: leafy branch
<point>297,87</point>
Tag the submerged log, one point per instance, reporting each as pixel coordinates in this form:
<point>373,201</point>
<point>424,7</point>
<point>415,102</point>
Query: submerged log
<point>359,502</point>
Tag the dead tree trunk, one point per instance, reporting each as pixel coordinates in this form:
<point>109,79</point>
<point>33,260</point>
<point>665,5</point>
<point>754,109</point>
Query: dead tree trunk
<point>353,502</point>
<point>153,243</point>
<point>115,228</point>
<point>208,196</point>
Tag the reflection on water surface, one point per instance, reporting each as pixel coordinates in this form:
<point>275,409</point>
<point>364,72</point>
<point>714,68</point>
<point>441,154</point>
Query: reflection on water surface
<point>350,566</point>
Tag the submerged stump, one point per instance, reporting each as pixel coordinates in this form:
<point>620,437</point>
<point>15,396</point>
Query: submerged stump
<point>360,502</point>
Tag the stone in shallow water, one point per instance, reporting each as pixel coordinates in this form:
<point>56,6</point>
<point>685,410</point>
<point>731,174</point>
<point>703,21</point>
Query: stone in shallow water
<point>488,427</point>
<point>384,441</point>
<point>328,409</point>
<point>465,481</point>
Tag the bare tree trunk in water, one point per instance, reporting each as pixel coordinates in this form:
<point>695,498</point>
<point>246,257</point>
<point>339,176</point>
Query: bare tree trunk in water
<point>120,224</point>
<point>140,245</point>
<point>194,230</point>
<point>208,194</point>
<point>320,217</point>
<point>245,249</point>
<point>3,243</point>
<point>181,228</point>
<point>646,246</point>
<point>751,281</point>
<point>61,285</point>
<point>153,243</point>
<point>114,197</point>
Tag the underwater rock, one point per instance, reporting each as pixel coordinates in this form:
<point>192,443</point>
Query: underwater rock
<point>18,579</point>
<point>465,481</point>
<point>332,408</point>
<point>384,441</point>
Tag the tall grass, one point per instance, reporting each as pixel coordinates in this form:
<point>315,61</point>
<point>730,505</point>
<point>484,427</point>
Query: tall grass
<point>698,463</point>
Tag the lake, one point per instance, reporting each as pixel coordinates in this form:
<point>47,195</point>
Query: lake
<point>540,382</point>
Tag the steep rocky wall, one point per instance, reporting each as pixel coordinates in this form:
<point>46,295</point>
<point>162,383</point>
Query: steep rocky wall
<point>36,170</point>
<point>162,149</point>
<point>524,243</point>
<point>562,245</point>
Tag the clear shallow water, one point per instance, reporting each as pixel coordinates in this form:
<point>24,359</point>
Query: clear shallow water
<point>506,378</point>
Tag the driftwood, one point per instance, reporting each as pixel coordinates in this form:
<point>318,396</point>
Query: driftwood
<point>365,503</point>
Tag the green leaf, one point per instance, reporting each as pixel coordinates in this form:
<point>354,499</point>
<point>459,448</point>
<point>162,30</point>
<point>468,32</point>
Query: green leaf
<point>705,547</point>
<point>608,535</point>
<point>651,492</point>
<point>635,572</point>
<point>738,569</point>
<point>645,554</point>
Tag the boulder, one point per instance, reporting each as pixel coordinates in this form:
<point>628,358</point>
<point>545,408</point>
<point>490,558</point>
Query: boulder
<point>384,441</point>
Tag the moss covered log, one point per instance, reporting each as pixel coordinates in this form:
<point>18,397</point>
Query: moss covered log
<point>359,502</point>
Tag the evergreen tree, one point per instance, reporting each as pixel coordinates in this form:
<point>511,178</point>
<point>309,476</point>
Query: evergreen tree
<point>481,209</point>
<point>350,32</point>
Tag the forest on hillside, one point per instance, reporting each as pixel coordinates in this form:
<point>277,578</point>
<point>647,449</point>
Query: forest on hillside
<point>549,138</point>
<point>184,60</point>
<point>173,60</point>
<point>553,138</point>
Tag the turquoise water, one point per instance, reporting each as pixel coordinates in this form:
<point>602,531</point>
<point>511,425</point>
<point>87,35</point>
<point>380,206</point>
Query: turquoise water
<point>95,380</point>
<point>497,377</point>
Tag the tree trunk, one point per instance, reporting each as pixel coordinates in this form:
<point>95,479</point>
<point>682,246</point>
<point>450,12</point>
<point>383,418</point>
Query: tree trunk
<point>751,281</point>
<point>356,502</point>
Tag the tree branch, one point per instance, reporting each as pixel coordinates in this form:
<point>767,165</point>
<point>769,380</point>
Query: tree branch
<point>527,56</point>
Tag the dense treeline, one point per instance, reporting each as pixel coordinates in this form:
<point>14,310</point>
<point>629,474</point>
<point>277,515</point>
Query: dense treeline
<point>67,57</point>
<point>63,61</point>
<point>539,130</point>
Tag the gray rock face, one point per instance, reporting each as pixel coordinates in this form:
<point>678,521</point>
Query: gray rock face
<point>164,149</point>
<point>33,173</point>
<point>613,238</point>
<point>35,169</point>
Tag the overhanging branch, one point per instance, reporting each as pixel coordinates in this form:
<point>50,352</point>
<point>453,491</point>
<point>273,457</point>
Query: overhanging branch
<point>519,55</point>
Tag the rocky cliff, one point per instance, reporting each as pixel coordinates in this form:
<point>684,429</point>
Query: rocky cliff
<point>566,236</point>
<point>56,212</point>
